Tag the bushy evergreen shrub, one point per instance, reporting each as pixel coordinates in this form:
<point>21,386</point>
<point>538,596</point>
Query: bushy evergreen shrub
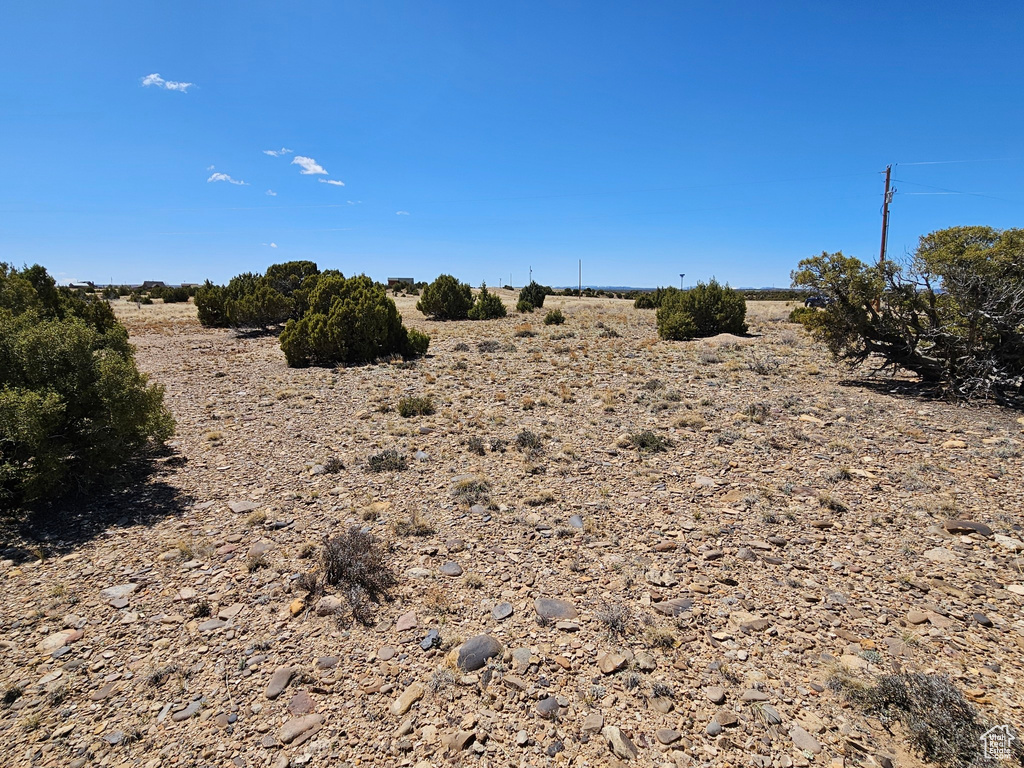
<point>706,310</point>
<point>653,299</point>
<point>554,317</point>
<point>446,299</point>
<point>488,306</point>
<point>258,301</point>
<point>534,294</point>
<point>524,307</point>
<point>350,321</point>
<point>73,405</point>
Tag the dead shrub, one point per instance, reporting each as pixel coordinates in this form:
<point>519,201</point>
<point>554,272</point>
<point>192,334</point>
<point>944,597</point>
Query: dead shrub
<point>356,562</point>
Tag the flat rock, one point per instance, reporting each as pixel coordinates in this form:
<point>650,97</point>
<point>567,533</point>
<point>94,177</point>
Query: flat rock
<point>328,605</point>
<point>967,527</point>
<point>548,707</point>
<point>667,736</point>
<point>593,722</point>
<point>300,704</point>
<point>57,640</point>
<point>619,743</point>
<point>409,696</point>
<point>184,714</point>
<point>940,555</point>
<point>803,741</point>
<point>553,609</point>
<point>715,694</point>
<point>120,590</point>
<point>241,507</point>
<point>475,652</point>
<point>279,681</point>
<point>211,624</point>
<point>297,726</point>
<point>609,663</point>
<point>451,569</point>
<point>406,622</point>
<point>501,611</point>
<point>673,607</point>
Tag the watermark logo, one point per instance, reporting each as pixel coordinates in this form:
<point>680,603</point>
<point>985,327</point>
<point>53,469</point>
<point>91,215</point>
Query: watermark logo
<point>995,743</point>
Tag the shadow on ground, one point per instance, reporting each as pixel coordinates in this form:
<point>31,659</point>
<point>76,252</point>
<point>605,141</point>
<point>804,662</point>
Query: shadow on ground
<point>928,393</point>
<point>138,494</point>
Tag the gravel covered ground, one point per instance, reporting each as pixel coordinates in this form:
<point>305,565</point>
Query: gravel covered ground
<point>670,547</point>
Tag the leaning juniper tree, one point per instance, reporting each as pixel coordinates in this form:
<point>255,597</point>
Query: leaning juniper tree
<point>953,313</point>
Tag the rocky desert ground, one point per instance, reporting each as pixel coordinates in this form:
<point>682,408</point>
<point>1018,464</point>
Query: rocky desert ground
<point>566,593</point>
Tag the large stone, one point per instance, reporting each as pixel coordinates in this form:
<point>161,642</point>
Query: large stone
<point>406,622</point>
<point>673,607</point>
<point>409,696</point>
<point>329,605</point>
<point>451,568</point>
<point>475,652</point>
<point>715,694</point>
<point>553,609</point>
<point>187,712</point>
<point>619,743</point>
<point>279,681</point>
<point>241,507</point>
<point>298,726</point>
<point>803,741</point>
<point>501,611</point>
<point>940,555</point>
<point>967,527</point>
<point>58,640</point>
<point>120,590</point>
<point>610,662</point>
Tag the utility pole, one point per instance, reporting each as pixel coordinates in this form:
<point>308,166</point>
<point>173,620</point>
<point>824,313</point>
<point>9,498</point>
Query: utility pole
<point>531,274</point>
<point>885,213</point>
<point>580,295</point>
<point>681,276</point>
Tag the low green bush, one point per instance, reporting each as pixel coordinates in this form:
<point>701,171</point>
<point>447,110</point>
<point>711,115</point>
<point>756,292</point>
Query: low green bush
<point>488,306</point>
<point>350,321</point>
<point>554,317</point>
<point>534,294</point>
<point>524,307</point>
<point>706,310</point>
<point>73,404</point>
<point>415,406</point>
<point>446,299</point>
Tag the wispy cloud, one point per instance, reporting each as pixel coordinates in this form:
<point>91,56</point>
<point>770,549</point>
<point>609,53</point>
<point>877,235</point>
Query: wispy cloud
<point>335,182</point>
<point>270,245</point>
<point>170,85</point>
<point>401,213</point>
<point>228,179</point>
<point>210,167</point>
<point>309,166</point>
<point>272,193</point>
<point>354,202</point>
<point>277,152</point>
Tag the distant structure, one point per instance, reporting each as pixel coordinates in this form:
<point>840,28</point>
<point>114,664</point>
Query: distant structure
<point>190,285</point>
<point>393,281</point>
<point>85,285</point>
<point>148,284</point>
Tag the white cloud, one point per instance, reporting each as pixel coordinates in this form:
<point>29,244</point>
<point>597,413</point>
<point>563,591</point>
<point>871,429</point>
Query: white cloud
<point>270,245</point>
<point>354,202</point>
<point>309,166</point>
<point>401,213</point>
<point>272,193</point>
<point>210,167</point>
<point>277,152</point>
<point>170,85</point>
<point>335,182</point>
<point>228,179</point>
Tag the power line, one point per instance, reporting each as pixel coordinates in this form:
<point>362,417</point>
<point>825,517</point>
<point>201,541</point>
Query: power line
<point>957,191</point>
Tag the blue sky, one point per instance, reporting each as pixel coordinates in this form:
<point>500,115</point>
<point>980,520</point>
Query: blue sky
<point>726,139</point>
